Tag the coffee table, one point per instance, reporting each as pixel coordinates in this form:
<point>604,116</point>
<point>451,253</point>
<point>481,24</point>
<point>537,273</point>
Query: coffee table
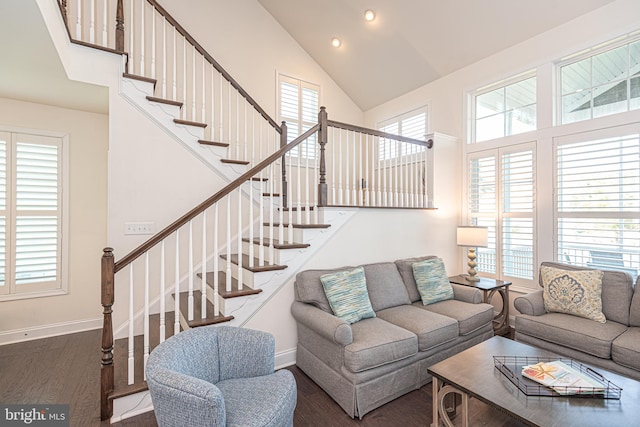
<point>471,374</point>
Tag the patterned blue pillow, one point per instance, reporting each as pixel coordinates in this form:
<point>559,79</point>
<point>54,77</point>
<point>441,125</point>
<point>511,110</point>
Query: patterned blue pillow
<point>347,294</point>
<point>432,280</point>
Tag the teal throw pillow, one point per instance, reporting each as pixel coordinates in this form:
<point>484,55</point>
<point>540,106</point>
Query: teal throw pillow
<point>347,294</point>
<point>432,280</point>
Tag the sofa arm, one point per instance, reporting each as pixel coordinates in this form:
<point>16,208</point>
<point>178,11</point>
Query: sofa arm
<point>531,304</point>
<point>466,294</point>
<point>323,323</point>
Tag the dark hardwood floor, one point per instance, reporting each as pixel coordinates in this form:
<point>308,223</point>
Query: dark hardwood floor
<point>65,369</point>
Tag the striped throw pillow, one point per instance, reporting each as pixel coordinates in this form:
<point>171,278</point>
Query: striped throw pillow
<point>347,294</point>
<point>432,280</point>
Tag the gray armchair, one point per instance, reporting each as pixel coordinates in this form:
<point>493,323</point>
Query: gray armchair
<point>219,376</point>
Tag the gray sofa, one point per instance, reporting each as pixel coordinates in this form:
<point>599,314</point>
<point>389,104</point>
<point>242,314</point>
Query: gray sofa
<point>371,362</point>
<point>613,345</point>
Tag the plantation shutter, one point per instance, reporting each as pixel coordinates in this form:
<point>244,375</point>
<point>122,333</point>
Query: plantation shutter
<point>483,207</point>
<point>5,141</point>
<point>299,107</point>
<point>598,201</point>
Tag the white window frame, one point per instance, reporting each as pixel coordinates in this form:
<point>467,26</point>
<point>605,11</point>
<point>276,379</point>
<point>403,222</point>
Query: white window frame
<point>589,136</point>
<point>11,291</point>
<point>502,84</point>
<point>308,152</point>
<point>499,215</point>
<point>590,54</point>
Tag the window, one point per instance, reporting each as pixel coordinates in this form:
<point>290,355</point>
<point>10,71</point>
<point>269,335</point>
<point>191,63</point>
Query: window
<point>412,125</point>
<point>502,198</point>
<point>509,109</point>
<point>299,107</point>
<point>598,200</point>
<point>30,215</point>
<point>601,84</point>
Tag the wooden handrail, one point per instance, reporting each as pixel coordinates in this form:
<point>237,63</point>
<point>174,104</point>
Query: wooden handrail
<point>360,129</point>
<point>140,250</point>
<point>213,62</point>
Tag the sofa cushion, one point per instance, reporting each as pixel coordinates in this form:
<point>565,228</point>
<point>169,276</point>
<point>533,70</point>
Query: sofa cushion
<point>571,331</point>
<point>634,311</point>
<point>385,286</point>
<point>377,342</point>
<point>626,349</point>
<point>617,289</point>
<point>432,329</point>
<point>573,292</point>
<point>308,288</point>
<point>432,280</point>
<point>347,294</point>
<point>470,317</point>
<point>405,268</point>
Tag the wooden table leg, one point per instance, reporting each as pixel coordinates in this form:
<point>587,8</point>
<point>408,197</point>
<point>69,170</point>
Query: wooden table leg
<point>440,391</point>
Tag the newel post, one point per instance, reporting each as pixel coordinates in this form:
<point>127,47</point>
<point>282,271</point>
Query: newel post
<point>283,142</point>
<point>106,370</point>
<point>322,139</point>
<point>119,27</point>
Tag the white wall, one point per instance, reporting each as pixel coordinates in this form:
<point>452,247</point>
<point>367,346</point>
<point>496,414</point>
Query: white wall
<point>250,44</point>
<point>88,144</point>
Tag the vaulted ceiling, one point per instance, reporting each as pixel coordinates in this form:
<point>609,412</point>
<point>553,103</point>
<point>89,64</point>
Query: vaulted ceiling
<point>413,42</point>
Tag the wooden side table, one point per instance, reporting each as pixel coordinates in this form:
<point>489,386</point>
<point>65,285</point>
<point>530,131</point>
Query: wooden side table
<point>489,287</point>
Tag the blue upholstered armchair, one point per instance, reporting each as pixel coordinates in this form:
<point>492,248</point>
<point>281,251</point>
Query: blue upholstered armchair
<point>219,376</point>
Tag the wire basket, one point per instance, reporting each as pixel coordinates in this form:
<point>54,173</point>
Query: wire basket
<point>511,368</point>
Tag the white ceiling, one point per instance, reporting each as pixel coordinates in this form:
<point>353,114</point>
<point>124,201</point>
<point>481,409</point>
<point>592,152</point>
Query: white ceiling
<point>413,42</point>
<point>30,69</point>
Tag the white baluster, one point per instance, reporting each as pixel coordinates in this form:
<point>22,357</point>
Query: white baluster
<point>354,182</point>
<point>228,243</point>
<point>290,198</point>
<point>92,28</point>
<point>146,315</point>
<point>347,174</point>
<point>132,37</point>
<point>299,186</point>
<point>79,20</point>
<point>213,108</point>
<point>163,309</point>
<point>203,91</point>
<point>368,182</point>
<point>261,204</point>
<point>237,124</point>
<point>360,161</point>
<point>193,84</point>
<point>130,361</point>
<point>190,280</point>
<point>185,101</point>
<point>142,68</point>
<point>251,231</point>
<point>283,201</point>
<point>272,190</point>
<point>176,298</point>
<point>221,135</point>
<point>316,173</point>
<point>216,260</point>
<point>174,76</point>
<point>239,240</point>
<point>386,161</point>
<point>153,42</point>
<point>203,268</point>
<point>105,38</point>
<point>332,147</point>
<point>164,57</point>
<point>339,166</point>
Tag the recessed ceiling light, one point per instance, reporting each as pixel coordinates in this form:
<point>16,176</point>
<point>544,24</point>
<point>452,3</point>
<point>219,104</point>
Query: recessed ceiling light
<point>369,15</point>
<point>335,42</point>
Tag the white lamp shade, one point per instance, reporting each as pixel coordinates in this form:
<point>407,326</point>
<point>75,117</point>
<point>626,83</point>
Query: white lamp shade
<point>473,236</point>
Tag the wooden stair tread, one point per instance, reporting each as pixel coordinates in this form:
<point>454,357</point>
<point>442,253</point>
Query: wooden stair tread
<point>257,178</point>
<point>164,101</point>
<point>255,268</point>
<point>302,208</point>
<point>270,194</point>
<point>213,143</point>
<point>140,78</point>
<point>209,319</point>
<point>189,123</point>
<point>235,162</point>
<point>277,244</point>
<point>277,224</point>
<point>222,289</point>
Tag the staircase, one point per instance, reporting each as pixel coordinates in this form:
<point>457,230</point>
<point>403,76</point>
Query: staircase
<point>225,258</point>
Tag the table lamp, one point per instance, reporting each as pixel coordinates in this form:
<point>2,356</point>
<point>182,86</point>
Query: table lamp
<point>472,237</point>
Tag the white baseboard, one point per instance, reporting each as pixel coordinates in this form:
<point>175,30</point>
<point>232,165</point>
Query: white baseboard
<point>285,358</point>
<point>45,331</point>
<point>131,406</point>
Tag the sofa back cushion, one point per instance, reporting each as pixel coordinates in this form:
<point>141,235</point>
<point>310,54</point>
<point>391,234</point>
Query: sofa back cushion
<point>617,290</point>
<point>405,268</point>
<point>385,285</point>
<point>308,288</point>
<point>634,312</point>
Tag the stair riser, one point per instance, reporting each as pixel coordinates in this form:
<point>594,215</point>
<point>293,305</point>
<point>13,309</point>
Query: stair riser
<point>280,256</point>
<point>253,280</point>
<point>298,234</point>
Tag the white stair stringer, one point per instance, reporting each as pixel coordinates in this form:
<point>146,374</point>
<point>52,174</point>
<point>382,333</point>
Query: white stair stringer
<point>271,281</point>
<point>136,91</point>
